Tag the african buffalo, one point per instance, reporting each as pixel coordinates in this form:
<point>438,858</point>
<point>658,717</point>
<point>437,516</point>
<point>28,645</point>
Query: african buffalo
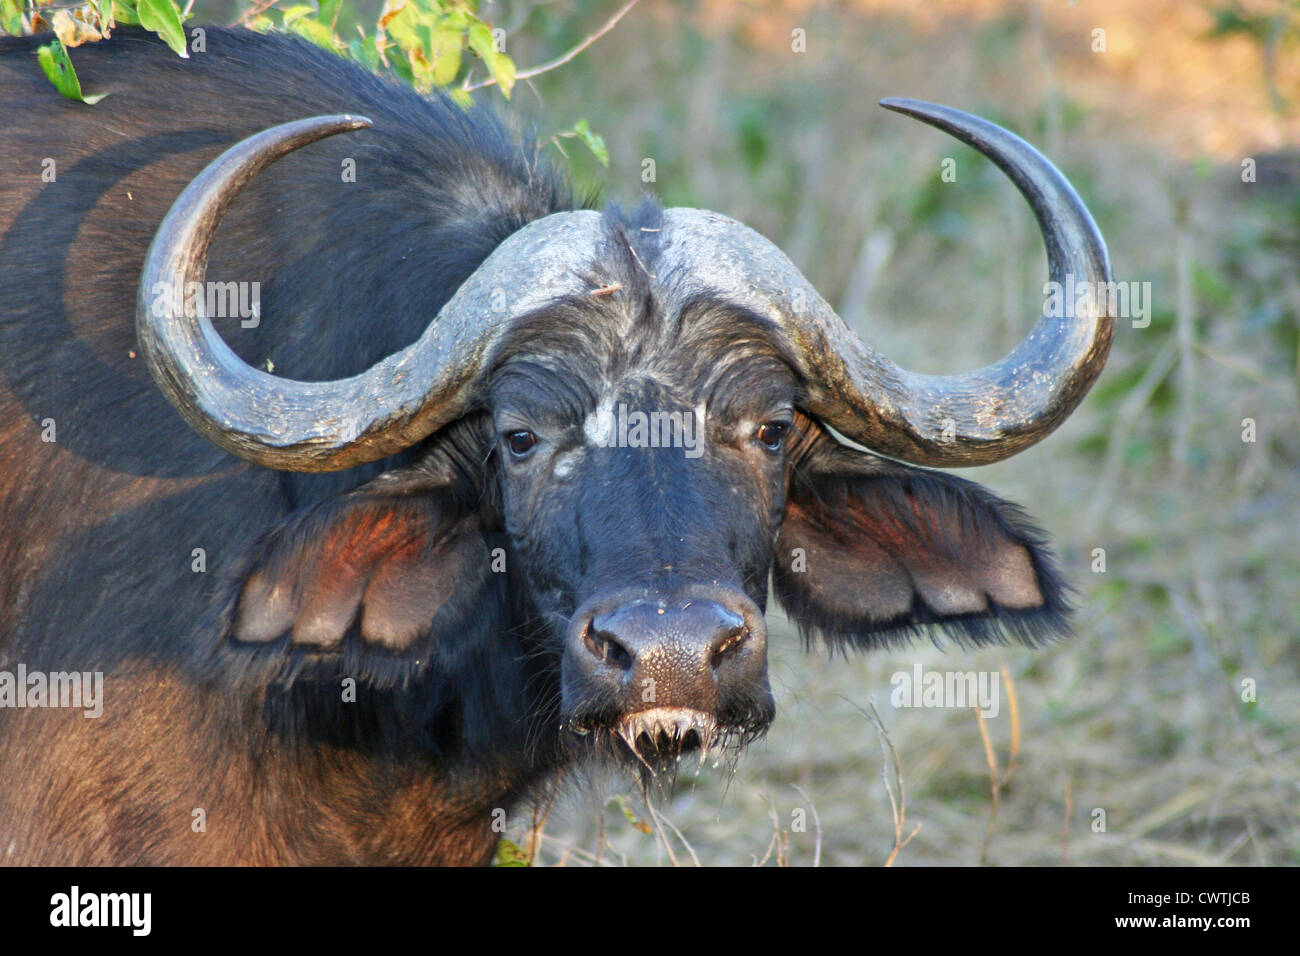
<point>468,483</point>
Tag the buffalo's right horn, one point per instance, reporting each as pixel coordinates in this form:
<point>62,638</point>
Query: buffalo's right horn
<point>325,426</point>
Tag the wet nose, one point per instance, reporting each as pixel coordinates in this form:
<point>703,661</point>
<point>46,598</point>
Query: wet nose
<point>657,653</point>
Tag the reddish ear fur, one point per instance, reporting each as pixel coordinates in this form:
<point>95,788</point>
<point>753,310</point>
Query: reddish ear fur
<point>872,551</point>
<point>389,592</point>
<point>380,568</point>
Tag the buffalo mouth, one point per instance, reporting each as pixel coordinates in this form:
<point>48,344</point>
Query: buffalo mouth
<point>655,740</point>
<point>668,731</point>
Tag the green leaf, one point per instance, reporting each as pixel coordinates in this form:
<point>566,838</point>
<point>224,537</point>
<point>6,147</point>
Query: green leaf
<point>317,32</point>
<point>401,69</point>
<point>595,142</point>
<point>365,52</point>
<point>124,12</point>
<point>329,12</point>
<point>103,18</point>
<point>58,67</point>
<point>480,39</point>
<point>162,18</point>
<point>509,854</point>
<point>444,52</point>
<point>457,18</point>
<point>400,25</point>
<point>503,71</point>
<point>11,17</point>
<point>499,65</point>
<point>297,12</point>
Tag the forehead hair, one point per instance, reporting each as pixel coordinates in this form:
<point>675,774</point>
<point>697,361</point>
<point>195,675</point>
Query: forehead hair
<point>632,326</point>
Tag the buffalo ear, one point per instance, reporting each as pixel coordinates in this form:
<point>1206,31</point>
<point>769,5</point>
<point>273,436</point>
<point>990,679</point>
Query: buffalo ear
<point>375,578</point>
<point>873,552</point>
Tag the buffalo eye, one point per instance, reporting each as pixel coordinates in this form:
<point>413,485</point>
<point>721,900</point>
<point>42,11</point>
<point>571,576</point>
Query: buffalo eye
<point>521,442</point>
<point>771,434</point>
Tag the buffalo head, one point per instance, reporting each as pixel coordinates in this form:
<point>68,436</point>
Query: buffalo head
<point>626,425</point>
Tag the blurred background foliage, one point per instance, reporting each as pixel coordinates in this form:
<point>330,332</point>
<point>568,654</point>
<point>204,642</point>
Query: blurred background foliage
<point>1179,124</point>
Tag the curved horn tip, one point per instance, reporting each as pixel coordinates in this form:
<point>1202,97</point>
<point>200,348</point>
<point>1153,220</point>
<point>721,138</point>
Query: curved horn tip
<point>902,104</point>
<point>313,128</point>
<point>967,127</point>
<point>337,122</point>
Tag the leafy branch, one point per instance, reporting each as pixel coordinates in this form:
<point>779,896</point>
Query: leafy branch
<point>89,22</point>
<point>564,57</point>
<point>426,44</point>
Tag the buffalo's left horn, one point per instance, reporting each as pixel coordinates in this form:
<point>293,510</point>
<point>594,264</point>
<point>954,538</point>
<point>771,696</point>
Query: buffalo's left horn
<point>326,426</point>
<point>940,420</point>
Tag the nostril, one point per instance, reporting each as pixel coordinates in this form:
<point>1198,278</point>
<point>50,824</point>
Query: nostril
<point>606,648</point>
<point>727,642</point>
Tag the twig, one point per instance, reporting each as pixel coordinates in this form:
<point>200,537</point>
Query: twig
<point>999,780</point>
<point>663,837</point>
<point>1065,824</point>
<point>560,60</point>
<point>1233,363</point>
<point>992,759</point>
<point>255,11</point>
<point>775,842</point>
<point>632,249</point>
<point>1013,714</point>
<point>74,5</point>
<point>568,850</point>
<point>686,843</point>
<point>897,807</point>
<point>782,836</point>
<point>535,831</point>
